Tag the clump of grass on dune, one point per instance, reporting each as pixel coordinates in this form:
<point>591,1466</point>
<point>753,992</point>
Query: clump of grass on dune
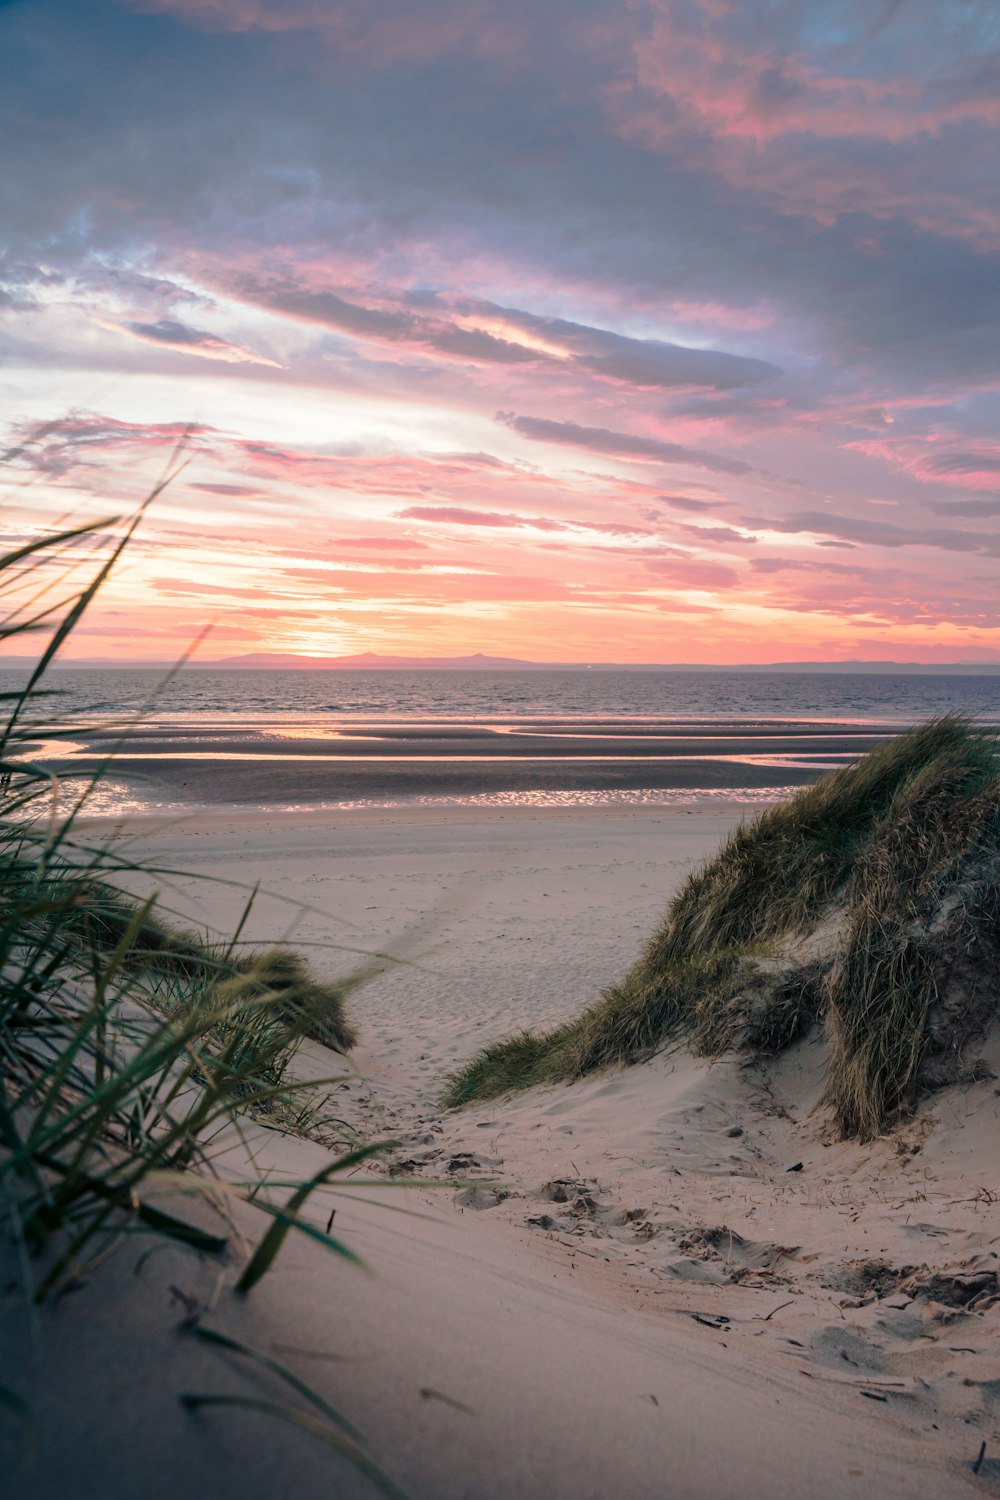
<point>176,966</point>
<point>780,870</point>
<point>518,1062</point>
<point>253,1006</point>
<point>863,900</point>
<point>917,973</point>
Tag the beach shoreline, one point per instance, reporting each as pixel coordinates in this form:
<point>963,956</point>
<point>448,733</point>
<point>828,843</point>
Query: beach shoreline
<point>445,762</point>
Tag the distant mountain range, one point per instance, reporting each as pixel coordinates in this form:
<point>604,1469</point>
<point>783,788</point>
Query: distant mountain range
<point>370,661</point>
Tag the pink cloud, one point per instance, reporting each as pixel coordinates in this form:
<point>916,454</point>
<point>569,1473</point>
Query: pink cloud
<point>731,87</point>
<point>196,588</point>
<point>63,445</point>
<point>716,535</point>
<point>786,123</point>
<point>381,543</point>
<point>456,516</point>
<point>509,520</point>
<point>443,589</point>
<point>691,574</point>
<point>975,470</point>
<point>170,334</point>
<point>242,491</point>
<point>397,475</point>
<point>932,458</point>
<point>483,333</point>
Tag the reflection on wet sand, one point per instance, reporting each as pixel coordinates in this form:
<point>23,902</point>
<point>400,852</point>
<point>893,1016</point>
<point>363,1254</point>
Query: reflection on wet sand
<point>550,762</point>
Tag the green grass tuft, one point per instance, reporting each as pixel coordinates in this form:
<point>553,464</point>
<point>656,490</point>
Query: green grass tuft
<point>869,899</point>
<point>126,1045</point>
<point>179,966</point>
<point>917,973</point>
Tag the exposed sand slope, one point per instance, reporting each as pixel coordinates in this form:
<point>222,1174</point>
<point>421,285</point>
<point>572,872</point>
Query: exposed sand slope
<point>558,1334</point>
<point>716,1188</point>
<point>479,1368</point>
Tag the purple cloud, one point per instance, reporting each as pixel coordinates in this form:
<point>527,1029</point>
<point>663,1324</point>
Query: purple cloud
<point>619,444</point>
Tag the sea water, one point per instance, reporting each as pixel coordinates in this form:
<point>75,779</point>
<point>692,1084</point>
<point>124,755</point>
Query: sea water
<point>270,698</point>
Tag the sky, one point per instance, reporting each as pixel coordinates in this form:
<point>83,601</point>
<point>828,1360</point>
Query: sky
<point>573,330</point>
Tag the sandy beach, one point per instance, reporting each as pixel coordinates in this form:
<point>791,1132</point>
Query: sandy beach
<point>667,1280</point>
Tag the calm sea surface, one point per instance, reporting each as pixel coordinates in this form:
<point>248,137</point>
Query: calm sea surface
<point>263,699</point>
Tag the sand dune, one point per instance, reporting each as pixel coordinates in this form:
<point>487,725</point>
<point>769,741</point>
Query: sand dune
<point>662,1281</point>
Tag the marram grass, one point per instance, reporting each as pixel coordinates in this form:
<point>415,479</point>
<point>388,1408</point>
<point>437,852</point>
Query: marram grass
<point>175,966</point>
<point>128,1047</point>
<point>125,1044</point>
<point>869,901</point>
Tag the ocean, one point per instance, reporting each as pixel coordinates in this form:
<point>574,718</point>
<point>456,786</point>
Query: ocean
<point>322,697</point>
<point>348,738</point>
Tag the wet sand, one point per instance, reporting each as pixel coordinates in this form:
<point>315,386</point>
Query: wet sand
<point>387,762</point>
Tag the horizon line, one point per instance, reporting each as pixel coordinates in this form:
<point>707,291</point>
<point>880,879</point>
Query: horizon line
<point>478,661</point>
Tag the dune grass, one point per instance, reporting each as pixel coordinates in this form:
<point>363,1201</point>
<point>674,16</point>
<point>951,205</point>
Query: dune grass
<point>176,967</point>
<point>131,1052</point>
<point>126,1045</point>
<point>857,901</point>
<point>918,972</point>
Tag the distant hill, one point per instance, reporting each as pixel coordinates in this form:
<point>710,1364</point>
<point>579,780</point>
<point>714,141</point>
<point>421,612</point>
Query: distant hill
<point>370,661</point>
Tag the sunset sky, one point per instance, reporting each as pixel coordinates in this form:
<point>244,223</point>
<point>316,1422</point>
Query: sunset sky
<point>624,330</point>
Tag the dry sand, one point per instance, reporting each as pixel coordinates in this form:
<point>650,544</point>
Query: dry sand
<point>666,1281</point>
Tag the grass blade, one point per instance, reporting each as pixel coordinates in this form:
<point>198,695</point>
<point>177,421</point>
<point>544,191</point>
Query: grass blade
<point>234,1346</point>
<point>308,1423</point>
<point>286,1218</point>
